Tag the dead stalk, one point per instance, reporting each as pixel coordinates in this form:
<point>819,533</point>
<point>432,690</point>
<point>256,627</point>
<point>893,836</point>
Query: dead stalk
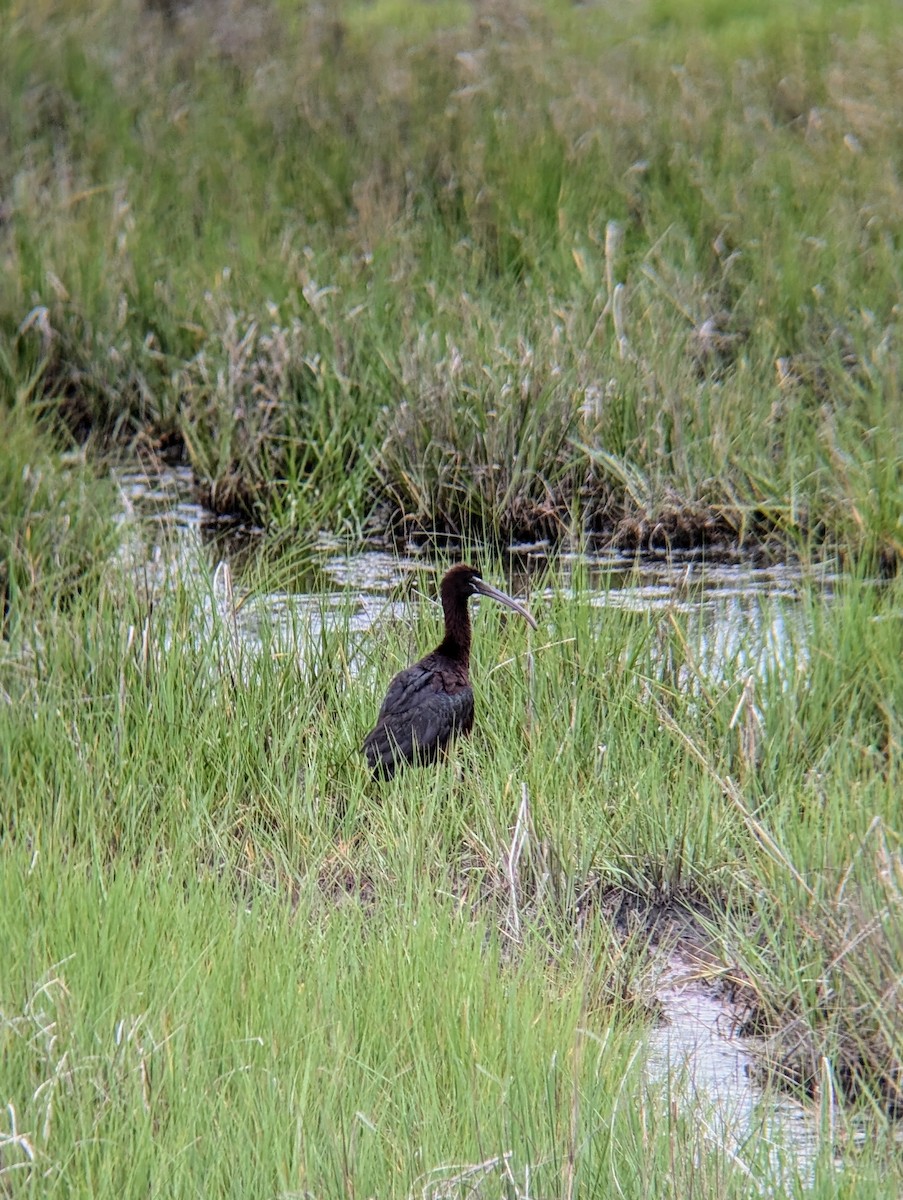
<point>521,830</point>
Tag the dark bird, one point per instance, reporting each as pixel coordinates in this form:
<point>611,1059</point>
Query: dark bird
<point>430,703</point>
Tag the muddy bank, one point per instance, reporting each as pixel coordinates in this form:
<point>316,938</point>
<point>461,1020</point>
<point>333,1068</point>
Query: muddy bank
<point>588,510</point>
<point>610,523</point>
<point>265,479</point>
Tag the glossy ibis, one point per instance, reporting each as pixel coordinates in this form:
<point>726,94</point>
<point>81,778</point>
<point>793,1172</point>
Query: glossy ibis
<point>431,702</point>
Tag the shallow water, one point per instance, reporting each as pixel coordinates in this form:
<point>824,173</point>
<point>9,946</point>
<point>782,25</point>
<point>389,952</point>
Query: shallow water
<point>170,534</point>
<point>694,1053</point>
<point>706,1067</point>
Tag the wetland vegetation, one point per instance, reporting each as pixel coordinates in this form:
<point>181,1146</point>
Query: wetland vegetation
<point>624,276</point>
<point>503,269</point>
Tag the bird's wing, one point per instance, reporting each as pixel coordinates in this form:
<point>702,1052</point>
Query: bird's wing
<point>416,720</point>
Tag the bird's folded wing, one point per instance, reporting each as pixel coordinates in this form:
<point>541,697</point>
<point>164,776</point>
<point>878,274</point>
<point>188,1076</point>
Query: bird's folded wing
<point>416,721</point>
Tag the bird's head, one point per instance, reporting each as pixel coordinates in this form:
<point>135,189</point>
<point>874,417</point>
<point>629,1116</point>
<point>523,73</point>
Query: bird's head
<point>464,581</point>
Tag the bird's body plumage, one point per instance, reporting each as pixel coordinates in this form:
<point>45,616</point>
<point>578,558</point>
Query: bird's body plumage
<point>426,706</point>
<point>431,703</point>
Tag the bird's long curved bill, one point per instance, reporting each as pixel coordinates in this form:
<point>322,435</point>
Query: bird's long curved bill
<point>486,589</point>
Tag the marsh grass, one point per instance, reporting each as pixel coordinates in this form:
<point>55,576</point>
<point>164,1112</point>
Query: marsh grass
<point>521,270</point>
<point>55,525</point>
<point>231,958</point>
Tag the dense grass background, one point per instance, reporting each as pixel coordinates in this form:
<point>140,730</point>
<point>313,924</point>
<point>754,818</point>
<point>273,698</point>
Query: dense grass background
<point>498,268</point>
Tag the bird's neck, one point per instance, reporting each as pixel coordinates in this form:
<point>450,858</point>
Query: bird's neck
<point>456,643</point>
